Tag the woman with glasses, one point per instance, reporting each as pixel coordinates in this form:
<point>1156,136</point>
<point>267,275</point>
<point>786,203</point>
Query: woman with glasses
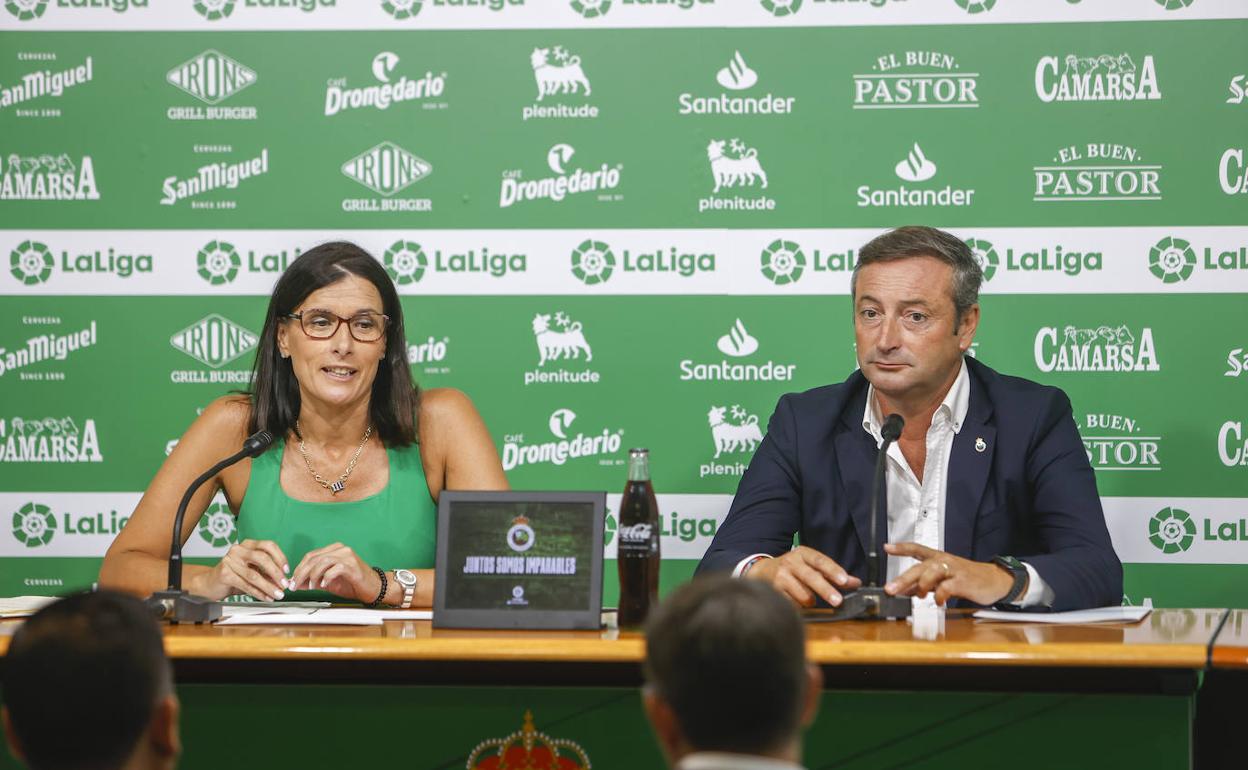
<point>343,504</point>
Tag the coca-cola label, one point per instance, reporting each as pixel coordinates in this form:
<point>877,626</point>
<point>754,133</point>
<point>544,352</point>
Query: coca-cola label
<point>638,540</point>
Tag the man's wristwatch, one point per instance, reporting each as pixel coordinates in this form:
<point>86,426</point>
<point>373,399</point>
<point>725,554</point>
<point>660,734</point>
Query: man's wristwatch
<point>407,580</point>
<point>1018,571</point>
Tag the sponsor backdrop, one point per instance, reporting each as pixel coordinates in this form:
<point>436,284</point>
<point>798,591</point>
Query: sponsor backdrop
<point>621,223</point>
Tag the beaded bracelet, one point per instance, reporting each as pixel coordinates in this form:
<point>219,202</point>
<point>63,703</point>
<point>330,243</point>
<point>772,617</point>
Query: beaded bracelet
<point>381,573</point>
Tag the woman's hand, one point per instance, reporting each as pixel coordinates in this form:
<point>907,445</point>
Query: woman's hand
<point>257,568</point>
<point>337,569</point>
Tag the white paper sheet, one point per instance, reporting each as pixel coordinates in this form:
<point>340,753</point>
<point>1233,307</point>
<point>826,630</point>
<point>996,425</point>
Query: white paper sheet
<point>335,616</point>
<point>1098,615</point>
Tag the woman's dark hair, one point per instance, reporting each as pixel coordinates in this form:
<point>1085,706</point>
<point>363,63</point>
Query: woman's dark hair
<point>274,390</point>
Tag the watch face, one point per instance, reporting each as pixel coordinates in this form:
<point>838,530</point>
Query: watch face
<point>405,577</point>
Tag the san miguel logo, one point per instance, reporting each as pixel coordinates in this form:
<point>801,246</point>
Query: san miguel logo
<point>1099,78</point>
<point>528,749</point>
<point>220,175</point>
<point>1098,349</point>
<point>1097,171</point>
<point>47,178</point>
<point>915,80</point>
<point>44,82</point>
<point>45,347</point>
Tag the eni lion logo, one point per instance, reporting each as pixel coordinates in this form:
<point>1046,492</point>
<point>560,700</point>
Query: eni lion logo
<point>527,749</point>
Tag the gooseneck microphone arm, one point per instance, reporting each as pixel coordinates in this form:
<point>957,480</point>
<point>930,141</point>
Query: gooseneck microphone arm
<point>173,603</point>
<point>890,431</point>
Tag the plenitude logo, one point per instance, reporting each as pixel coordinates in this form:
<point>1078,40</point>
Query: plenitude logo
<point>1115,442</point>
<point>1030,258</point>
<point>1095,349</point>
<point>915,168</point>
<point>216,10</point>
<point>49,440</point>
<point>30,10</point>
<point>388,90</point>
<point>1173,259</point>
<point>43,82</point>
<point>407,262</point>
<point>565,446</point>
<point>734,164</point>
<point>387,169</point>
<point>1097,171</point>
<point>734,431</point>
<point>560,341</point>
<point>595,261</point>
<point>47,178</point>
<point>211,177</point>
<point>213,341</point>
<point>33,262</point>
<point>211,77</point>
<point>1233,172</point>
<point>1098,78</point>
<point>735,76</point>
<point>560,78</point>
<point>46,347</point>
<point>737,343</point>
<point>565,180</point>
<point>915,80</point>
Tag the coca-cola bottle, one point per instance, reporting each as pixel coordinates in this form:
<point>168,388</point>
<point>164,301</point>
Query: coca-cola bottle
<point>638,557</point>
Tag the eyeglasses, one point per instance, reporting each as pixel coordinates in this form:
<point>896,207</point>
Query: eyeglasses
<point>323,324</point>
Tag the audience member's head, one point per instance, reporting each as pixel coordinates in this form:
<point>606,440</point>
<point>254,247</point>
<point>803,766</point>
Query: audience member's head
<point>726,671</point>
<point>87,686</point>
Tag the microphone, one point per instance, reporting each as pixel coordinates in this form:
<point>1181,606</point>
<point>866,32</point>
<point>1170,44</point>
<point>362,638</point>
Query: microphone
<point>870,601</point>
<point>174,604</point>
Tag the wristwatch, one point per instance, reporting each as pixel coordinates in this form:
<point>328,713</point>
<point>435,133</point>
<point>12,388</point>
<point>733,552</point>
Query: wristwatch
<point>1018,571</point>
<point>406,579</point>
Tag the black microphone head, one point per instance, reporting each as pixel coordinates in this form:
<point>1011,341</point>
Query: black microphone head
<point>891,429</point>
<point>256,443</point>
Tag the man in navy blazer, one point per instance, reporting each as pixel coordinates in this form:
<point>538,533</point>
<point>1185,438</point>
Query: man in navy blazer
<point>990,496</point>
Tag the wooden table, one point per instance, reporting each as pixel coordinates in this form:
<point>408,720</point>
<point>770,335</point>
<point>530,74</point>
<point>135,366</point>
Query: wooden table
<point>940,690</point>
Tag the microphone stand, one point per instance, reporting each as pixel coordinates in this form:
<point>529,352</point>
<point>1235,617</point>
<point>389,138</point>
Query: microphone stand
<point>173,603</point>
<point>870,602</point>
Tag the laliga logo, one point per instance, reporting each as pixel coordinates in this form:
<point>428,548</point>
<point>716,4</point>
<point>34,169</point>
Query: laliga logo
<point>985,255</point>
<point>1172,260</point>
<point>1171,530</point>
<point>34,525</point>
<point>591,9</point>
<point>218,262</point>
<point>217,526</point>
<point>26,10</point>
<point>31,262</point>
<point>214,10</point>
<point>560,421</point>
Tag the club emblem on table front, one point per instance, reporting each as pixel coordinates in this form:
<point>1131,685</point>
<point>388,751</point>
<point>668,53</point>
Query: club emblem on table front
<point>980,444</point>
<point>527,748</point>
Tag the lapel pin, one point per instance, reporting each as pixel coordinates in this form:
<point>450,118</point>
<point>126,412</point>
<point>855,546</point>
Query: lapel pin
<point>980,444</point>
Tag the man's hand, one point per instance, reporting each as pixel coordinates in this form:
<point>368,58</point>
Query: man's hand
<point>948,576</point>
<point>802,574</point>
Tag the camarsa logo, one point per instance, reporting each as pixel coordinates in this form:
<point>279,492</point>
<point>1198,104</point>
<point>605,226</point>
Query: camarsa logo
<point>1233,172</point>
<point>1095,349</point>
<point>1233,444</point>
<point>47,178</point>
<point>48,440</point>
<point>1098,78</point>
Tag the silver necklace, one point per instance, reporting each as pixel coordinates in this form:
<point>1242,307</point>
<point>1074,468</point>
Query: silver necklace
<point>341,484</point>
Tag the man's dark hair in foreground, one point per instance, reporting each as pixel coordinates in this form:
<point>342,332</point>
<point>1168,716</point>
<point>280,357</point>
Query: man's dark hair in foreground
<point>726,672</point>
<point>87,686</point>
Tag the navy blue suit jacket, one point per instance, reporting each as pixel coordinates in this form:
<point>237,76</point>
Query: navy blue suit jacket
<point>1030,494</point>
